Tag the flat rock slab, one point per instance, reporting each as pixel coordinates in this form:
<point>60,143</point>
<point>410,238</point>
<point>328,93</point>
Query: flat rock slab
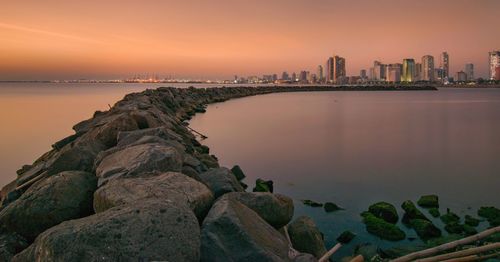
<point>176,187</point>
<point>146,231</point>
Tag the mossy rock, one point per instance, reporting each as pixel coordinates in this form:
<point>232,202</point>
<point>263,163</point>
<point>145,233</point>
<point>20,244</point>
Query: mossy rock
<point>492,214</point>
<point>454,228</point>
<point>429,201</point>
<point>346,237</point>
<point>471,221</point>
<point>381,228</point>
<point>425,229</point>
<point>493,238</point>
<point>450,218</point>
<point>411,212</point>
<point>331,207</point>
<point>469,230</point>
<point>311,203</point>
<point>434,212</point>
<point>263,186</point>
<point>443,240</point>
<point>384,211</point>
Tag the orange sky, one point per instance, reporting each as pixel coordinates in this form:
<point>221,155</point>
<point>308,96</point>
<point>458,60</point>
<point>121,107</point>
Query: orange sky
<point>219,38</point>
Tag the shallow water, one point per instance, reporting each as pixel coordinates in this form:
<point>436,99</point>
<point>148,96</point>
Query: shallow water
<point>357,148</point>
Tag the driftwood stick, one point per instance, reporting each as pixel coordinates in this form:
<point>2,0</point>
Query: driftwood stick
<point>450,245</point>
<point>473,258</point>
<point>358,258</point>
<point>462,253</point>
<point>330,252</point>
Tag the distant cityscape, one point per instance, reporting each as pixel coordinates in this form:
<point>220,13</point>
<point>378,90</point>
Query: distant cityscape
<point>333,72</point>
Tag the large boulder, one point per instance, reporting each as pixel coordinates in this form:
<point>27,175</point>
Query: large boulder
<point>381,228</point>
<point>221,181</point>
<point>137,160</point>
<point>145,231</point>
<point>384,211</point>
<point>11,244</point>
<point>429,201</point>
<point>65,196</point>
<point>176,187</point>
<point>306,237</point>
<point>275,209</point>
<point>233,232</point>
<point>425,229</point>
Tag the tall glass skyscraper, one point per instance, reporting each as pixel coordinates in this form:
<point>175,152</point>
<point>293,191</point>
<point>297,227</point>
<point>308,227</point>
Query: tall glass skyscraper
<point>428,68</point>
<point>408,70</point>
<point>444,64</point>
<point>494,63</point>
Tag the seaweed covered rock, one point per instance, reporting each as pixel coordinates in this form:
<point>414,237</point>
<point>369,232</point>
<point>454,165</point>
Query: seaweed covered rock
<point>306,237</point>
<point>65,196</point>
<point>148,231</point>
<point>275,209</point>
<point>262,185</point>
<point>381,228</point>
<point>450,218</point>
<point>171,186</point>
<point>434,212</point>
<point>233,232</point>
<point>429,201</point>
<point>492,214</point>
<point>331,207</point>
<point>139,159</point>
<point>425,229</point>
<point>221,181</point>
<point>471,221</point>
<point>384,211</point>
<point>411,212</point>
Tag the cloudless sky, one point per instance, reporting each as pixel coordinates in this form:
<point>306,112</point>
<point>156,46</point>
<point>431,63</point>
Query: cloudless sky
<point>219,38</point>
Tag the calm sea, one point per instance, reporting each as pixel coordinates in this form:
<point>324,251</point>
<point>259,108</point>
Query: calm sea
<point>351,148</point>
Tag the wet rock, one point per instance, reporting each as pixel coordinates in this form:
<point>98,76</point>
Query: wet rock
<point>429,201</point>
<point>190,172</point>
<point>384,211</point>
<point>221,181</point>
<point>238,173</point>
<point>306,237</point>
<point>471,221</point>
<point>425,229</point>
<point>492,214</point>
<point>381,228</point>
<point>175,187</point>
<point>411,212</point>
<point>233,232</point>
<point>11,244</point>
<point>263,186</point>
<point>140,159</point>
<point>434,212</point>
<point>275,209</point>
<point>311,203</point>
<point>65,196</point>
<point>146,231</point>
<point>454,228</point>
<point>450,217</point>
<point>331,207</point>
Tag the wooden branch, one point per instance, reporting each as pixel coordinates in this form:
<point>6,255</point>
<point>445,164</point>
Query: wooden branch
<point>473,258</point>
<point>450,245</point>
<point>462,253</point>
<point>330,252</point>
<point>358,258</point>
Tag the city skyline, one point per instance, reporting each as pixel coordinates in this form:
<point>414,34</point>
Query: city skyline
<point>201,40</point>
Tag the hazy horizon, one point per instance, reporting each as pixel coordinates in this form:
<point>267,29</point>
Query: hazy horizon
<point>45,40</point>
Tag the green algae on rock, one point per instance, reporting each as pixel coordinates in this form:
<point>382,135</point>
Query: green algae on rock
<point>381,228</point>
<point>384,211</point>
<point>429,201</point>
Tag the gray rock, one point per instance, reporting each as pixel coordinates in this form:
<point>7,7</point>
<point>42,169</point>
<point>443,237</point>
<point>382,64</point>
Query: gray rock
<point>144,231</point>
<point>275,209</point>
<point>176,187</point>
<point>306,237</point>
<point>190,172</point>
<point>233,232</point>
<point>65,196</point>
<point>238,173</point>
<point>11,244</point>
<point>140,159</point>
<point>221,181</point>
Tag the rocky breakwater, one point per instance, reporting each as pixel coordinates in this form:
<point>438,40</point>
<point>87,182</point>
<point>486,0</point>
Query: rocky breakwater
<point>133,183</point>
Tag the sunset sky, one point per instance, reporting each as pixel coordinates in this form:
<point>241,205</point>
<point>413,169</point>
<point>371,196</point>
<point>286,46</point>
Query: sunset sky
<point>217,39</point>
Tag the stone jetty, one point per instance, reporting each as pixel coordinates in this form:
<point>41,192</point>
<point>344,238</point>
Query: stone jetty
<point>134,184</point>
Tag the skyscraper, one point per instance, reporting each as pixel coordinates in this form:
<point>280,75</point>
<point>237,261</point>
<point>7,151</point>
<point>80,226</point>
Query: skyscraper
<point>320,75</point>
<point>329,70</point>
<point>408,74</point>
<point>461,76</point>
<point>428,68</point>
<point>494,63</point>
<point>444,63</point>
<point>393,73</point>
<point>362,73</point>
<point>335,68</point>
<point>469,71</point>
<point>418,72</point>
<point>377,70</point>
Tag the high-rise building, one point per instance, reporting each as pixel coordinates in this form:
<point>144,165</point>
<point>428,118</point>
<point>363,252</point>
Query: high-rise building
<point>335,68</point>
<point>427,68</point>
<point>444,63</point>
<point>285,76</point>
<point>461,76</point>
<point>320,74</point>
<point>408,74</point>
<point>497,73</point>
<point>494,63</point>
<point>294,77</point>
<point>469,71</point>
<point>418,72</point>
<point>362,73</point>
<point>393,73</point>
<point>329,70</point>
<point>377,70</point>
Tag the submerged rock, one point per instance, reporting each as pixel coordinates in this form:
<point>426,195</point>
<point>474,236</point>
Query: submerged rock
<point>471,221</point>
<point>311,203</point>
<point>306,237</point>
<point>331,207</point>
<point>263,186</point>
<point>384,211</point>
<point>429,201</point>
<point>450,218</point>
<point>221,181</point>
<point>65,196</point>
<point>411,212</point>
<point>233,232</point>
<point>275,209</point>
<point>434,212</point>
<point>492,214</point>
<point>175,187</point>
<point>147,231</point>
<point>425,229</point>
<point>381,228</point>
